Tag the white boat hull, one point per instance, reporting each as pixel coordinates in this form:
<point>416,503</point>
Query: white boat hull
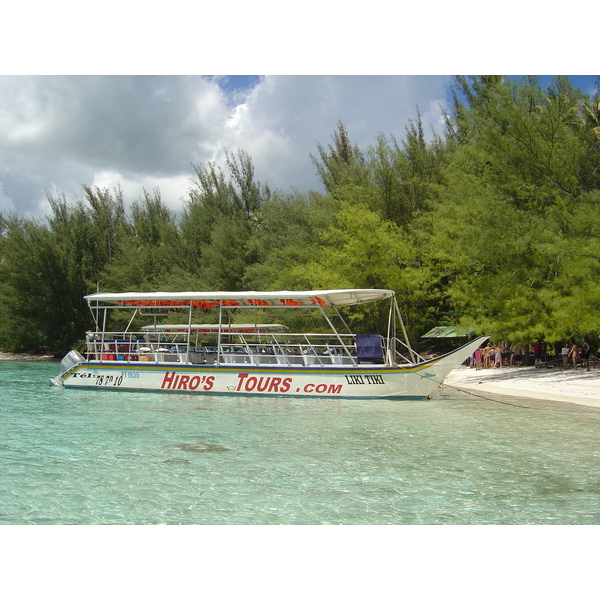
<point>410,382</point>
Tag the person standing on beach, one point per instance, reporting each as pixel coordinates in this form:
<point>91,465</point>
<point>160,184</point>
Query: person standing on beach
<point>574,352</point>
<point>478,353</point>
<point>486,356</point>
<point>498,358</point>
<point>585,354</point>
<point>537,351</point>
<point>506,355</point>
<point>565,356</point>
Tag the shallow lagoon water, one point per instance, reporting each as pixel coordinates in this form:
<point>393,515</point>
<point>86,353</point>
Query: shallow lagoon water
<point>101,457</point>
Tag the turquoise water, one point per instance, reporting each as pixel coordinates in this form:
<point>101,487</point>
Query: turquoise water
<point>102,457</point>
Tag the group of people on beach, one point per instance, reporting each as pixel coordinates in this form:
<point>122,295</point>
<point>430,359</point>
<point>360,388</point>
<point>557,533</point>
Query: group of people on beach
<point>507,355</point>
<point>498,356</point>
<point>576,354</point>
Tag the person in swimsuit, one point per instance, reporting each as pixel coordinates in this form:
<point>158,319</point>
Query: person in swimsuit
<point>574,352</point>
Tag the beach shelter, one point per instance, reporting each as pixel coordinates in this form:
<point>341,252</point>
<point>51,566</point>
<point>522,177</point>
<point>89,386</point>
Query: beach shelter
<point>449,331</point>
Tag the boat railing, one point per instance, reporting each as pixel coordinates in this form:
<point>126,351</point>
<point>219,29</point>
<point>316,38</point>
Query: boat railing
<point>306,349</point>
<point>401,353</point>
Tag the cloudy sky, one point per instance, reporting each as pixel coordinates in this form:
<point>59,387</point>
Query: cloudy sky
<point>59,132</point>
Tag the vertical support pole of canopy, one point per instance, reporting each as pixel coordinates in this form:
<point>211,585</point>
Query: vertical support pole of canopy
<point>391,334</point>
<point>103,331</point>
<point>410,350</point>
<point>189,331</point>
<point>219,357</point>
<point>154,317</point>
<point>95,314</point>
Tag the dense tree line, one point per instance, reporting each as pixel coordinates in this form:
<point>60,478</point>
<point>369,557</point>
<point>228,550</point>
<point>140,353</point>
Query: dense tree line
<point>492,223</point>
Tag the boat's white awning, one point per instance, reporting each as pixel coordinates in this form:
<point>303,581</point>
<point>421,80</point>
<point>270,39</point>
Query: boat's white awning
<point>209,300</point>
<point>215,328</point>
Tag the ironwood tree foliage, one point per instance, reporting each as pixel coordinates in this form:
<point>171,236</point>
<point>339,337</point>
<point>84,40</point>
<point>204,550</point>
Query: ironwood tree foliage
<point>494,223</point>
<point>517,217</point>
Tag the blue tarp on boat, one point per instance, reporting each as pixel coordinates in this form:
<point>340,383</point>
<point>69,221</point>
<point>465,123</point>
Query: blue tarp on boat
<point>368,348</point>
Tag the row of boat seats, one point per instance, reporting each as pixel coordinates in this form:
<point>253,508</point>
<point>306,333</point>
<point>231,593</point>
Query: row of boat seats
<point>209,358</point>
<point>368,351</point>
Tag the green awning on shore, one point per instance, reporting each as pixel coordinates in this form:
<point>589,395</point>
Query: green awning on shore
<point>449,332</point>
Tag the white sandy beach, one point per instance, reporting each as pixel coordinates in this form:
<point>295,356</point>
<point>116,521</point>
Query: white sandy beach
<point>578,387</point>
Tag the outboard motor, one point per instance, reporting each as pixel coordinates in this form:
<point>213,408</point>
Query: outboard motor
<point>70,360</point>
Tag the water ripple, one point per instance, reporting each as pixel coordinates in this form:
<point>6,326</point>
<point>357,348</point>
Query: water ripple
<point>87,457</point>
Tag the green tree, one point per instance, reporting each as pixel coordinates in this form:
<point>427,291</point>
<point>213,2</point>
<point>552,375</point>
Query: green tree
<point>406,174</point>
<point>340,164</point>
<point>246,192</point>
<point>287,240</point>
<point>41,290</point>
<point>220,218</point>
<point>48,268</point>
<point>509,218</point>
<point>151,257</point>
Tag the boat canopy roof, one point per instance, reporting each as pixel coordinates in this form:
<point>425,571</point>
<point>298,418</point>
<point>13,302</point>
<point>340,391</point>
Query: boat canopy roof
<point>233,328</point>
<point>209,300</point>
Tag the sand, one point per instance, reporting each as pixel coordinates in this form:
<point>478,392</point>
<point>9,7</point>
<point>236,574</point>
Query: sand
<point>27,357</point>
<point>575,386</point>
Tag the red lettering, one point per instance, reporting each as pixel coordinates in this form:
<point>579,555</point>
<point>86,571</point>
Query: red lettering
<point>274,387</point>
<point>241,378</point>
<point>322,388</point>
<point>172,381</point>
<point>168,380</point>
<point>263,384</point>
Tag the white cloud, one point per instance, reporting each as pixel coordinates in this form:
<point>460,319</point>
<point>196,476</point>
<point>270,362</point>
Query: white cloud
<point>172,189</point>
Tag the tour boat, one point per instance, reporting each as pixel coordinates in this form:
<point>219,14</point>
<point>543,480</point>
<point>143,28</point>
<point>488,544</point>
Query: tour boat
<point>165,346</point>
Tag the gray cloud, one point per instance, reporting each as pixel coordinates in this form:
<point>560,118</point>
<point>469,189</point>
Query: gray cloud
<point>143,124</point>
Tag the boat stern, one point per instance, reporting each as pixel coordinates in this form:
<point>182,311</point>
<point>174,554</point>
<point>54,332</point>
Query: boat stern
<point>70,360</point>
